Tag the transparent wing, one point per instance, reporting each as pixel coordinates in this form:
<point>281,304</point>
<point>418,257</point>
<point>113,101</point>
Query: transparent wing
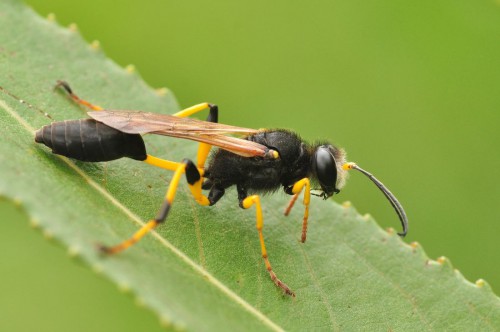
<point>137,122</point>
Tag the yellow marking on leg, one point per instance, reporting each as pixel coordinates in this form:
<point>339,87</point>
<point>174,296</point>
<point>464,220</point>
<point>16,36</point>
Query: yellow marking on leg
<point>247,203</point>
<point>162,163</point>
<point>192,110</point>
<point>305,185</point>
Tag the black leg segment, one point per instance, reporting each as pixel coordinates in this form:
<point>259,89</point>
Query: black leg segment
<point>213,116</point>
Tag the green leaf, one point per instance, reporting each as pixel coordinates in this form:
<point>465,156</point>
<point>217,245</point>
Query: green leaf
<point>203,270</point>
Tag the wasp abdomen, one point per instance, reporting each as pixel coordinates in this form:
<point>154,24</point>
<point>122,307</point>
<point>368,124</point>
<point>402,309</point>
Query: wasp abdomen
<point>89,140</point>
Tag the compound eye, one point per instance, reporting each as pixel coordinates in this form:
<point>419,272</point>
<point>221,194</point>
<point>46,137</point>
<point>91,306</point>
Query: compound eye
<point>325,167</point>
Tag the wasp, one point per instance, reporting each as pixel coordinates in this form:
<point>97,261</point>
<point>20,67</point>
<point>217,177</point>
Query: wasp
<point>260,161</point>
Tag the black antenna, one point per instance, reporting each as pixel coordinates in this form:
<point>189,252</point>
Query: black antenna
<point>392,199</point>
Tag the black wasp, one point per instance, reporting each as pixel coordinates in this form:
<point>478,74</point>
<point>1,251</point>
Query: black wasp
<point>261,161</point>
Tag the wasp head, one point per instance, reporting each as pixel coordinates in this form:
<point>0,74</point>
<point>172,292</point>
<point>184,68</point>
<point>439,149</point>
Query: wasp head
<point>327,167</point>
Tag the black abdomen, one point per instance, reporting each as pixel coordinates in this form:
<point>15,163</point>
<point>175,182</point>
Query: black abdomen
<point>89,140</point>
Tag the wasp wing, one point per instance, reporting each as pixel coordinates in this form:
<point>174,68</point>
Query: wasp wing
<point>137,122</point>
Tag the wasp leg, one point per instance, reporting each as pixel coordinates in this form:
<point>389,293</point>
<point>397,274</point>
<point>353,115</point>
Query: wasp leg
<point>291,204</point>
<point>213,116</point>
<point>202,155</point>
<point>150,225</point>
<point>246,203</point>
<point>161,163</point>
<point>76,99</point>
<point>193,178</point>
<point>298,186</point>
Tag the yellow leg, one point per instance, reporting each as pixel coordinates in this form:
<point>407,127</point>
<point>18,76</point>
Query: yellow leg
<point>300,185</point>
<point>193,178</point>
<point>247,203</point>
<point>197,194</point>
<point>131,241</point>
<point>196,181</point>
<point>192,110</point>
<point>165,164</point>
<point>202,155</point>
<point>75,98</point>
<point>194,175</point>
<point>150,225</point>
<point>162,163</point>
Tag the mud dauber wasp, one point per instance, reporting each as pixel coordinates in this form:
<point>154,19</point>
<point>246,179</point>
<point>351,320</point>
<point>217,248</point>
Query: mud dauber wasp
<point>261,161</point>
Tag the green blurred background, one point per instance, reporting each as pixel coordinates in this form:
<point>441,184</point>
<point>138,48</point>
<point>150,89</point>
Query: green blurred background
<point>410,89</point>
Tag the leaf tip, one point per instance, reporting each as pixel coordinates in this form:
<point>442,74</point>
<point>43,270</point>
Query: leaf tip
<point>34,223</point>
<point>480,283</point>
<point>51,17</point>
<point>444,261</point>
<point>130,69</point>
<point>415,247</point>
<point>390,231</point>
<point>95,45</point>
<point>346,204</point>
<point>17,202</point>
<point>124,287</point>
<point>74,251</point>
<point>367,217</point>
<point>48,235</point>
<point>162,91</point>
<point>73,27</point>
<point>441,260</point>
